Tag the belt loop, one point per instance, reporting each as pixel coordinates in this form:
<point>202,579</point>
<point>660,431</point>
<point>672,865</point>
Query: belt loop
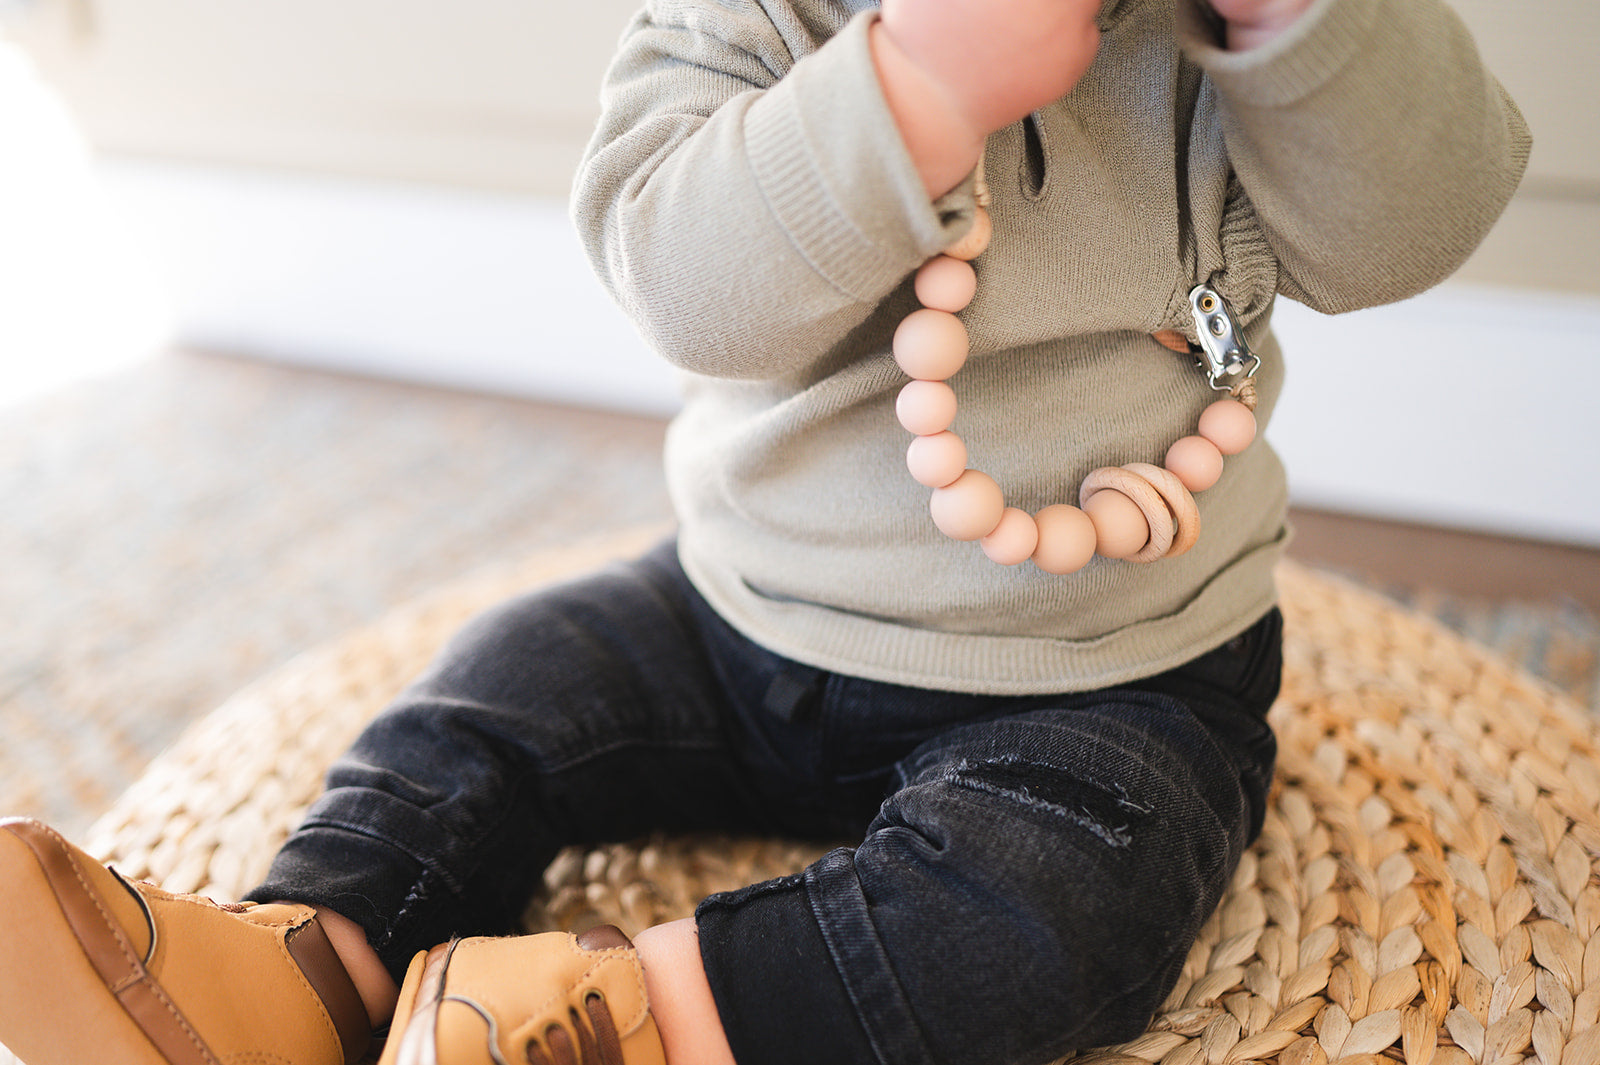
<point>791,691</point>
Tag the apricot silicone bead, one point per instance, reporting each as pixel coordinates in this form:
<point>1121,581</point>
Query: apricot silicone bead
<point>930,345</point>
<point>1196,461</point>
<point>976,239</point>
<point>1120,530</point>
<point>936,460</point>
<point>926,407</point>
<point>1013,540</point>
<point>946,283</point>
<point>1228,424</point>
<point>1066,539</point>
<point>968,508</point>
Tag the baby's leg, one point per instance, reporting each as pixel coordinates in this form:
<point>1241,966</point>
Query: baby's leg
<point>680,996</point>
<point>1030,889</point>
<point>582,714</point>
<point>577,715</point>
<point>367,972</point>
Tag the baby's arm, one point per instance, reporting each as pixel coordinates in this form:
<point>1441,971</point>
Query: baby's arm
<point>746,196</point>
<point>1375,148</point>
<point>752,193</point>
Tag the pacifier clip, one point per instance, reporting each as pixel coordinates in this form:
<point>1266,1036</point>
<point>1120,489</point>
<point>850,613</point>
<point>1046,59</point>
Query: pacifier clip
<point>1138,511</point>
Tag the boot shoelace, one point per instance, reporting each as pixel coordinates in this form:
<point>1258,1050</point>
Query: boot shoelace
<point>597,1042</point>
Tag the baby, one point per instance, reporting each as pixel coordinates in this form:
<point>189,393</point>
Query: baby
<point>1047,748</point>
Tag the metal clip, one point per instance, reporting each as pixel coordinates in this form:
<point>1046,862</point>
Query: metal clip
<point>1224,354</point>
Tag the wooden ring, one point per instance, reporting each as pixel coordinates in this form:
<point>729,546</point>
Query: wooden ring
<point>1145,496</point>
<point>1179,501</point>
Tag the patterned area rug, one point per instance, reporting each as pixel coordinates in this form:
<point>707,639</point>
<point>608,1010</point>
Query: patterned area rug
<point>176,530</point>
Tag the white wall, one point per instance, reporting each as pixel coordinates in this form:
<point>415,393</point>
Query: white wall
<point>445,286</point>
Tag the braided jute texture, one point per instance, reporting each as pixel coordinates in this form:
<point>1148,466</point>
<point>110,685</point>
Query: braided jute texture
<point>1424,889</point>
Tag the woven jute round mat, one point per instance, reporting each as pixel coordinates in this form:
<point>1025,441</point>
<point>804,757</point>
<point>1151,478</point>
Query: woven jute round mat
<point>1424,889</point>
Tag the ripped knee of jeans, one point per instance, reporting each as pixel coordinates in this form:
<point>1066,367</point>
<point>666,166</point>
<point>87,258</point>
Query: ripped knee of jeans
<point>1105,811</point>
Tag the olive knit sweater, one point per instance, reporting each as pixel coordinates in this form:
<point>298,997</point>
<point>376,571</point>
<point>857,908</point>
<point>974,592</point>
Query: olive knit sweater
<point>748,201</point>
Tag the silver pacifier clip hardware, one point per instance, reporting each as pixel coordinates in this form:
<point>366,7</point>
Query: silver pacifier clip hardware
<point>1224,353</point>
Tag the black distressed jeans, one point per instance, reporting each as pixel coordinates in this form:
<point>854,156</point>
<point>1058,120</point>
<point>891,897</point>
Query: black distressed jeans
<point>1026,876</point>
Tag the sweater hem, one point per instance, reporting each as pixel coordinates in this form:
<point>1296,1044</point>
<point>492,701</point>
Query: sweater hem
<point>881,650</point>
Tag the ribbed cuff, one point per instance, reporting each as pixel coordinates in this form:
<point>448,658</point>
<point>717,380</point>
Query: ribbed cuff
<point>847,191</point>
<point>1292,65</point>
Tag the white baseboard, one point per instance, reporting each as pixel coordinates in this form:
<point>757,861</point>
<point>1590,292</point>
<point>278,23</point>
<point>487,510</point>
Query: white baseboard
<point>1467,407</point>
<point>465,289</point>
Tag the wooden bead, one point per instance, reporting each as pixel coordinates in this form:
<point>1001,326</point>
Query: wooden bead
<point>926,407</point>
<point>930,345</point>
<point>1172,340</point>
<point>969,508</point>
<point>936,460</point>
<point>946,283</point>
<point>1066,539</point>
<point>1196,461</point>
<point>1228,424</point>
<point>1120,530</point>
<point>1013,540</point>
<point>1185,515</point>
<point>976,239</point>
<point>1158,523</point>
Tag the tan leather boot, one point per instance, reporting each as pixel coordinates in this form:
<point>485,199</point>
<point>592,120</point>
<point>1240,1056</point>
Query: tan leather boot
<point>96,969</point>
<point>551,999</point>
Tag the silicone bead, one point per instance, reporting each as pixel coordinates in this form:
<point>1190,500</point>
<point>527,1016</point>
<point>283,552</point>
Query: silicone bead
<point>969,508</point>
<point>1180,505</point>
<point>1119,526</point>
<point>1013,540</point>
<point>1196,461</point>
<point>1228,424</point>
<point>946,283</point>
<point>1139,512</point>
<point>1066,539</point>
<point>926,407</point>
<point>936,460</point>
<point>930,345</point>
<point>976,239</point>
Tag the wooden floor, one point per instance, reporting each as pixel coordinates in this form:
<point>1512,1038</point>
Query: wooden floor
<point>1446,560</point>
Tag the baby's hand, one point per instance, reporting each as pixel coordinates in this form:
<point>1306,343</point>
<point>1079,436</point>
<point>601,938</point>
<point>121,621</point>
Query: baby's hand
<point>954,71</point>
<point>1255,22</point>
<point>995,60</point>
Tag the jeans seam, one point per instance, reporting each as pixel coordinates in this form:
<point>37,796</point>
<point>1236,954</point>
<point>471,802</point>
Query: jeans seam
<point>908,1044</point>
<point>573,761</point>
<point>403,842</point>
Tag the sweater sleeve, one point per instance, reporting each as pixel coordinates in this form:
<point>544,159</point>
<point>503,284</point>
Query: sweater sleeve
<point>748,202</point>
<point>1375,147</point>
